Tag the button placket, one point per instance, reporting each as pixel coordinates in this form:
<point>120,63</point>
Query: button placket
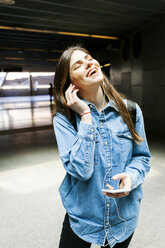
<point>107,143</point>
<point>107,214</point>
<point>92,133</point>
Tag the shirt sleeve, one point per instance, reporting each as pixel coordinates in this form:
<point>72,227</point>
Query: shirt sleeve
<point>76,149</point>
<point>139,165</point>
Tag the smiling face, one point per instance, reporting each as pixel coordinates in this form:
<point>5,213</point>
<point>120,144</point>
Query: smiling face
<point>84,70</point>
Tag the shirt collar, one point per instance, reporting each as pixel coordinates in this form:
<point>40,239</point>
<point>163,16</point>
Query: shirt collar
<point>110,104</point>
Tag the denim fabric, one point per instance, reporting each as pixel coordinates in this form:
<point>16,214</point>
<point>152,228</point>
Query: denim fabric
<point>91,157</point>
<point>70,240</point>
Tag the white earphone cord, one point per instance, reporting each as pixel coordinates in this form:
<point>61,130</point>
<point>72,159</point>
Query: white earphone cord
<point>117,209</point>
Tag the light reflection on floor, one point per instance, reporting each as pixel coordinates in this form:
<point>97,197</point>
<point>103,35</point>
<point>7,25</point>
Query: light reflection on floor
<point>24,112</point>
<point>30,179</point>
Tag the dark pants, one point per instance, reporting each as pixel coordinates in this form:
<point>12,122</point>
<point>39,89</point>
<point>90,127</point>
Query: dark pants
<point>70,240</point>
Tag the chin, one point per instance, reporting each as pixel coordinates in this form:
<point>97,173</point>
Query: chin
<point>99,79</point>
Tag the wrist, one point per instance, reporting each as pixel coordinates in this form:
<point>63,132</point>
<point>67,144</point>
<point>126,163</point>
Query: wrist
<point>86,113</point>
<point>86,117</point>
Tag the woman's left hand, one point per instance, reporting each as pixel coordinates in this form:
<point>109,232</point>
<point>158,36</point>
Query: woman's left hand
<point>125,183</point>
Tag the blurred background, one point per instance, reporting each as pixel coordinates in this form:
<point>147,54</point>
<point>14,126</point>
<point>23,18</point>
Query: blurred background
<point>127,38</point>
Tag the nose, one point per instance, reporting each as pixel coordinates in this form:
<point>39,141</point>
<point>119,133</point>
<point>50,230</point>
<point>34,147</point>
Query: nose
<point>88,63</point>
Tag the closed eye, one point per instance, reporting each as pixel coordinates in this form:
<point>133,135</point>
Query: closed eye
<point>77,66</point>
<point>89,58</point>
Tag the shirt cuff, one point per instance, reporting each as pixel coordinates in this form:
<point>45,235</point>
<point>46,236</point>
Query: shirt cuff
<point>87,131</point>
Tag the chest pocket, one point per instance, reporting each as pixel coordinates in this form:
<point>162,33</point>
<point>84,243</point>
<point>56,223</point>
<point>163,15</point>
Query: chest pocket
<point>124,136</point>
<point>126,145</point>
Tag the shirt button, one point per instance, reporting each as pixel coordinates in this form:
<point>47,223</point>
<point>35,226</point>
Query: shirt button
<point>91,136</point>
<point>107,223</point>
<point>109,164</point>
<point>108,205</point>
<point>101,123</point>
<point>91,129</point>
<point>90,106</point>
<point>105,143</point>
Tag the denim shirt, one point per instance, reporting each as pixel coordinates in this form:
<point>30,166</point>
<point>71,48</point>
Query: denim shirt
<point>91,156</point>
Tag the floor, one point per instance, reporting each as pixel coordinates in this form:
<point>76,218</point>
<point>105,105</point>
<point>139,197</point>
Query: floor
<point>31,212</point>
<point>24,113</point>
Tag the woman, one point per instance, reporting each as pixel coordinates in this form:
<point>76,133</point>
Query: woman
<point>100,149</point>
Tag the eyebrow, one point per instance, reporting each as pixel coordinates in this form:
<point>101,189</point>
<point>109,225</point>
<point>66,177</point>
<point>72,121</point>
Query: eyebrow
<point>78,61</point>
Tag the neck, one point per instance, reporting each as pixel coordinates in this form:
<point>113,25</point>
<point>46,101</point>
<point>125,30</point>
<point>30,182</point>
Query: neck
<point>95,96</point>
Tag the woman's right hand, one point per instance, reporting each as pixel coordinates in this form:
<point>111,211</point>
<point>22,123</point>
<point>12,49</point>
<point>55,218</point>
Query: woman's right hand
<point>76,104</point>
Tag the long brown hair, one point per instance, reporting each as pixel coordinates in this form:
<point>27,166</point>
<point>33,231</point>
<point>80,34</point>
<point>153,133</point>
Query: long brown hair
<point>62,81</point>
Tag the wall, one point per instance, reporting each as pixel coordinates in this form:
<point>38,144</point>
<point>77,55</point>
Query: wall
<point>142,78</point>
<point>127,75</point>
<point>154,77</point>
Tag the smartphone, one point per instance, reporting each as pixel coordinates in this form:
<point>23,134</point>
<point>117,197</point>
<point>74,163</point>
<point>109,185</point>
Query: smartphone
<point>116,191</point>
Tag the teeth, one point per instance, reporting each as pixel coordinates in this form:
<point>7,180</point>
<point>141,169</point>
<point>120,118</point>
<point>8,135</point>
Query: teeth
<point>92,71</point>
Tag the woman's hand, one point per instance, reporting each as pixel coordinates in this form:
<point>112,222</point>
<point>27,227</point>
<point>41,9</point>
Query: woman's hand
<point>125,183</point>
<point>77,105</point>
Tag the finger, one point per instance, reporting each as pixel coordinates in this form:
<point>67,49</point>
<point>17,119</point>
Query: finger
<point>119,176</point>
<point>70,86</point>
<point>121,195</point>
<point>67,91</point>
<point>68,94</point>
<point>111,195</point>
<point>117,195</point>
<point>72,98</point>
<point>75,91</point>
<point>70,89</point>
<point>74,94</point>
<point>110,187</point>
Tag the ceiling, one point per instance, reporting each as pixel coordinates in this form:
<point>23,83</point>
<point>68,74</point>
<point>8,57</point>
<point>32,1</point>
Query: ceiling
<point>29,30</point>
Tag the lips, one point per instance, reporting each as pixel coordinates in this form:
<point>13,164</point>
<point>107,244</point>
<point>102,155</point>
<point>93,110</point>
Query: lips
<point>92,71</point>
